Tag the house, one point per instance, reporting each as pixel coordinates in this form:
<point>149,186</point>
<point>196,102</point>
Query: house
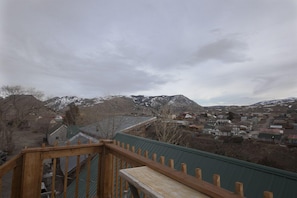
<point>243,118</point>
<point>290,137</point>
<point>292,140</point>
<point>197,128</point>
<point>270,135</point>
<point>280,121</point>
<point>57,134</point>
<point>274,126</point>
<point>222,122</point>
<point>188,116</point>
<point>256,178</point>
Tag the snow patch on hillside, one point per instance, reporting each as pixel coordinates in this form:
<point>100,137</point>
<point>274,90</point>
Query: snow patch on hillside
<point>276,102</point>
<point>60,103</point>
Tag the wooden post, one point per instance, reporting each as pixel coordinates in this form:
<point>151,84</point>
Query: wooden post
<point>216,180</point>
<point>106,173</point>
<point>268,194</point>
<point>239,188</point>
<point>133,149</point>
<point>117,168</point>
<point>184,168</point>
<point>66,174</point>
<point>154,157</point>
<point>31,175</point>
<point>162,160</point>
<point>171,163</point>
<point>139,151</point>
<point>77,171</point>
<point>198,173</point>
<point>54,177</point>
<point>146,154</point>
<point>88,175</point>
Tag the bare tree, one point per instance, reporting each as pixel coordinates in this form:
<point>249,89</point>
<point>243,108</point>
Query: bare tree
<point>226,128</point>
<point>34,92</point>
<point>166,129</point>
<point>14,110</point>
<point>16,90</point>
<point>7,90</point>
<point>72,114</point>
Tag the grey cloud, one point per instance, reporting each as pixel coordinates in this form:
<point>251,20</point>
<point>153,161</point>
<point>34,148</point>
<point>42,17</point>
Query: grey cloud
<point>96,47</point>
<point>224,50</point>
<point>66,72</point>
<point>230,99</point>
<point>276,79</point>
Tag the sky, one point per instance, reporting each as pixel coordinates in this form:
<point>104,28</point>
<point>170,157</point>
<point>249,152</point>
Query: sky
<point>214,52</point>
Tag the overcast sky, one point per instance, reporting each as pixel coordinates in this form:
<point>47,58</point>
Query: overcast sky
<point>215,52</point>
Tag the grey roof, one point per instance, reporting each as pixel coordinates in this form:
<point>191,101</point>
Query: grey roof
<point>55,128</point>
<point>114,125</point>
<point>83,139</point>
<point>72,130</point>
<point>255,178</point>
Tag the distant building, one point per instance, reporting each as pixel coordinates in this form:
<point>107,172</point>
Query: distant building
<point>243,118</point>
<point>276,126</point>
<point>222,122</point>
<point>57,133</point>
<point>292,140</point>
<point>270,135</point>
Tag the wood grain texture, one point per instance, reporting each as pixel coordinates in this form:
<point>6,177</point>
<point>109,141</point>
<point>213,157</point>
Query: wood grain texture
<point>157,185</point>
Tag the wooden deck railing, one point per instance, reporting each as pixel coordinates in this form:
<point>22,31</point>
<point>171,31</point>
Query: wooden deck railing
<point>27,169</point>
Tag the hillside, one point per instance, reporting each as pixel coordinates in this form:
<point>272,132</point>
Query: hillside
<point>177,103</point>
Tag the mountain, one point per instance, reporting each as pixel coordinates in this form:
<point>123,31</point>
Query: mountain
<point>177,103</point>
<point>285,101</point>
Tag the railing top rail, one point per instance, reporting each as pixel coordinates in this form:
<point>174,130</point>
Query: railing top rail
<point>10,164</point>
<point>61,147</point>
<point>66,151</point>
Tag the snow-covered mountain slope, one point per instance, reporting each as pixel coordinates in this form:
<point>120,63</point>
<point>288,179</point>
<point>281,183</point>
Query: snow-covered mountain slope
<point>176,103</point>
<point>276,102</point>
<point>60,103</point>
